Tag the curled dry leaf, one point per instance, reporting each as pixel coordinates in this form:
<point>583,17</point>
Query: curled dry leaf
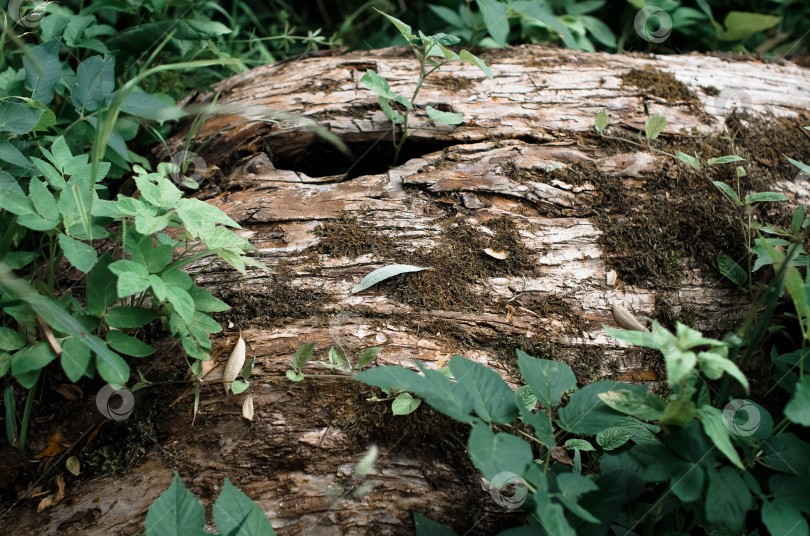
<point>247,408</point>
<point>625,318</point>
<point>497,254</point>
<point>234,364</point>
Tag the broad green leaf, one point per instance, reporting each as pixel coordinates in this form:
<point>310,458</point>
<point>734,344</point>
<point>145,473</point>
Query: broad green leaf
<point>579,444</point>
<point>654,126</point>
<point>494,15</point>
<point>12,196</point>
<point>553,516</point>
<point>427,527</point>
<point>712,420</point>
<point>791,491</point>
<point>601,121</point>
<point>126,317</point>
<point>727,498</point>
<point>43,200</point>
<point>239,386</point>
<point>82,256</point>
<point>526,397</point>
<point>128,345</point>
<point>75,359</point>
<point>42,70</point>
<point>9,153</point>
<point>493,400</point>
<point>470,58</point>
<point>497,453</point>
<point>303,354</point>
<point>95,80</point>
<point>450,118</point>
<point>687,159</point>
<point>541,12</point>
<point>714,362</point>
<point>101,287</point>
<point>142,104</point>
<point>445,396</point>
<point>18,118</point>
<point>181,301</point>
<point>177,512</point>
<point>294,376</point>
<point>381,274</point>
<point>724,159</point>
<point>368,355</point>
<point>585,413</point>
<point>548,379</point>
<point>338,358</point>
<point>742,24</point>
<point>730,269</point>
<point>539,421</point>
<point>599,30</point>
<point>686,478</point>
<point>679,412</point>
<point>62,156</point>
<point>387,377</point>
<point>19,259</point>
<point>647,407</point>
<point>763,197</point>
<point>198,216</point>
<point>32,358</point>
<point>787,453</point>
<point>10,339</point>
<point>236,515</point>
<point>804,167</point>
<point>612,438</point>
<point>781,519</point>
<point>572,487</point>
<point>205,301</point>
<point>798,409</point>
<point>404,404</point>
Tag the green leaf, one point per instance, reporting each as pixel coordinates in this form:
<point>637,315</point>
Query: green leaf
<point>125,317</point>
<point>798,409</point>
<point>43,200</point>
<point>236,515</point>
<point>75,359</point>
<point>18,118</point>
<point>10,340</point>
<point>302,355</point>
<point>450,118</point>
<point>338,358</point>
<point>783,520</point>
<point>239,386</point>
<point>493,400</point>
<point>101,287</point>
<point>82,256</point>
<point>181,301</point>
<point>804,167</point>
<point>787,453</point>
<point>526,397</point>
<point>724,160</point>
<point>612,438</point>
<point>712,420</point>
<point>497,453</point>
<point>730,269</point>
<point>727,498</point>
<point>404,404</point>
<point>205,301</point>
<point>42,70</point>
<point>403,28</point>
<point>714,362</point>
<point>177,512</point>
<point>741,24</point>
<point>686,478</point>
<point>381,274</point>
<point>572,487</point>
<point>539,421</point>
<point>142,104</point>
<point>198,216</point>
<point>585,412</point>
<point>553,516</point>
<point>647,407</point>
<point>294,376</point>
<point>601,121</point>
<point>32,358</point>
<point>690,160</point>
<point>128,345</point>
<point>426,527</point>
<point>654,126</point>
<point>12,197</point>
<point>368,355</point>
<point>470,58</point>
<point>791,491</point>
<point>495,19</point>
<point>548,379</point>
<point>763,197</point>
<point>95,80</point>
<point>9,153</point>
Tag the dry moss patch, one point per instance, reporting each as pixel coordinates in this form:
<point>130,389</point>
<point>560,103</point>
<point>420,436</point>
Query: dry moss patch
<point>659,84</point>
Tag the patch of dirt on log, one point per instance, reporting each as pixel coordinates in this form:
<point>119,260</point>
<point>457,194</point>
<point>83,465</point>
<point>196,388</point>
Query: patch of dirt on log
<point>659,84</point>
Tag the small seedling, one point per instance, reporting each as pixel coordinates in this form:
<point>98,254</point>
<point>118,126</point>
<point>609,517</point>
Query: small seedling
<point>426,48</point>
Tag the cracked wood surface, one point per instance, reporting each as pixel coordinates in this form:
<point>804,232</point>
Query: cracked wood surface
<point>533,117</point>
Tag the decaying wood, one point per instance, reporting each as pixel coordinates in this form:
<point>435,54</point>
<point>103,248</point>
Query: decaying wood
<point>535,117</point>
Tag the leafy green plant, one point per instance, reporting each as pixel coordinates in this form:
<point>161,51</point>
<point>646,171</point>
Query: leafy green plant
<point>425,48</point>
<point>177,512</point>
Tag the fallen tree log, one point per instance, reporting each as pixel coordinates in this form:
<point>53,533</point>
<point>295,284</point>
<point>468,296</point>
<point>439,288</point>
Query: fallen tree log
<point>585,222</point>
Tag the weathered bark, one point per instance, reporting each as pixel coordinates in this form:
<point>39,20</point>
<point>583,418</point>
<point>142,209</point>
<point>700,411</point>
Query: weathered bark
<point>526,151</point>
